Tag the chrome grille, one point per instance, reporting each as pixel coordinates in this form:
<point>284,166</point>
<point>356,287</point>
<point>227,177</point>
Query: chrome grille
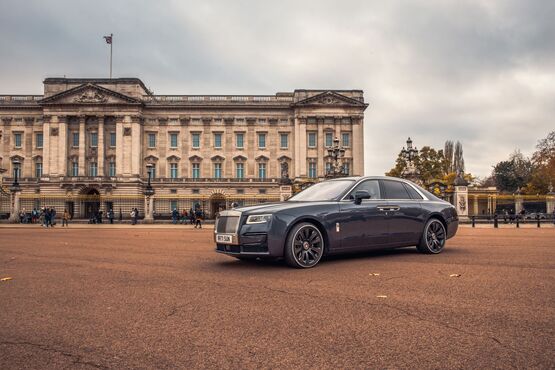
<point>227,224</point>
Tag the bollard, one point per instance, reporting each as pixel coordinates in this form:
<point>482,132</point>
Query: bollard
<point>517,222</point>
<point>473,221</point>
<point>538,219</point>
<point>495,221</point>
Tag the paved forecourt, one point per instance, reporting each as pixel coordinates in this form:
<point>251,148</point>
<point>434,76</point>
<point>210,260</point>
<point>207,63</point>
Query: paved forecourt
<point>160,297</point>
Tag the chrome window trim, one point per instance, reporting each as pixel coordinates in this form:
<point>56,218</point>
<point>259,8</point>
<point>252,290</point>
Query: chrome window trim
<point>424,197</point>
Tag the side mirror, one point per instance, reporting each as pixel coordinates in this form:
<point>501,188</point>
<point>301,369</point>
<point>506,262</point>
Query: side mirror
<point>360,195</point>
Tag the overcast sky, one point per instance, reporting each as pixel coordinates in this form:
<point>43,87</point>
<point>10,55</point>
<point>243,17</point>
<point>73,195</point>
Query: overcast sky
<point>482,72</point>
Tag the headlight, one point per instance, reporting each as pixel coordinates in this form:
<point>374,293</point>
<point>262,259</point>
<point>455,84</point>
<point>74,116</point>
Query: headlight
<point>258,219</point>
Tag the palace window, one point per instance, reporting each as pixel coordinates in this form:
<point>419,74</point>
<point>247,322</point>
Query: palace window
<point>75,140</point>
<point>262,191</point>
<point>195,138</point>
<point>262,140</point>
<point>217,170</point>
<point>240,170</point>
<point>75,168</point>
<point>152,140</point>
<point>262,170</point>
<point>329,139</point>
<point>312,169</point>
<point>284,141</point>
<point>93,169</point>
<point>94,139</point>
<point>152,171</point>
<point>38,170</point>
<point>173,204</point>
<point>346,168</point>
<point>112,168</point>
<point>346,139</point>
<point>240,191</point>
<point>39,140</point>
<point>112,139</point>
<point>173,170</point>
<point>17,139</point>
<point>217,140</point>
<point>195,191</point>
<point>239,139</point>
<point>16,169</point>
<point>173,140</point>
<point>312,140</point>
<point>196,170</point>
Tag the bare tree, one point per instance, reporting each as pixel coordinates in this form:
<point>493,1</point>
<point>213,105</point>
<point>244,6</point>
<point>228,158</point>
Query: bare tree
<point>458,160</point>
<point>448,153</point>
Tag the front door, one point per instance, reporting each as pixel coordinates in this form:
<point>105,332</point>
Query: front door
<point>365,225</point>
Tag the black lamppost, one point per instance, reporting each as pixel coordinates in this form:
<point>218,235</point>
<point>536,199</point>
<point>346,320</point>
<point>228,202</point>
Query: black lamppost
<point>15,185</point>
<point>148,192</point>
<point>410,153</point>
<point>336,154</point>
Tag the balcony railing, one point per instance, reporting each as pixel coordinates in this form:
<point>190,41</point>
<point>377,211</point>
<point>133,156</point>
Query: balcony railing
<point>157,180</point>
<point>211,179</point>
<point>211,99</point>
<point>19,99</point>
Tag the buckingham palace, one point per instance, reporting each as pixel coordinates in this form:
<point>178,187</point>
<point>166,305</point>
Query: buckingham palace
<point>95,144</point>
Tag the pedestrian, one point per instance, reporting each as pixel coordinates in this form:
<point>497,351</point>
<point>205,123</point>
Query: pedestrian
<point>198,218</point>
<point>175,214</point>
<point>183,217</point>
<point>120,215</point>
<point>65,218</point>
<point>133,214</point>
<point>99,216</point>
<point>47,217</point>
<point>191,216</point>
<point>111,216</point>
<point>52,217</point>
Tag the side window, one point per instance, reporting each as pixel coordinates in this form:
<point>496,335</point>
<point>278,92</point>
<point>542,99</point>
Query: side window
<point>395,190</point>
<point>413,193</point>
<point>371,186</point>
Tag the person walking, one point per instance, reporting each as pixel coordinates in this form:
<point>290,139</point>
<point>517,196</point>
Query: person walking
<point>65,218</point>
<point>111,216</point>
<point>133,215</point>
<point>198,219</point>
<point>52,217</point>
<point>191,216</point>
<point>183,217</point>
<point>175,214</point>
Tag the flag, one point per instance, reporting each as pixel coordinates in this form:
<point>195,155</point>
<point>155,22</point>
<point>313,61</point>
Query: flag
<point>108,39</point>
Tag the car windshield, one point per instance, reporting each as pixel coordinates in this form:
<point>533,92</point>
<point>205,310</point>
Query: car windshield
<point>327,190</point>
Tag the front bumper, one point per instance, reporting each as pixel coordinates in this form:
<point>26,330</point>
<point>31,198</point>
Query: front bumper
<point>250,244</point>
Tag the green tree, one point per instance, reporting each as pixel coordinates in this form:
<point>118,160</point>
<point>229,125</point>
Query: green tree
<point>513,174</point>
<point>429,163</point>
<point>543,173</point>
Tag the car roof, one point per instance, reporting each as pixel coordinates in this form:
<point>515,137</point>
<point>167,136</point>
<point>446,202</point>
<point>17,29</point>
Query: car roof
<point>357,178</point>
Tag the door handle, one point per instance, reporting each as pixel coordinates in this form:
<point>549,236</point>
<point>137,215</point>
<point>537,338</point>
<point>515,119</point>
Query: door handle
<point>394,208</point>
<point>383,208</point>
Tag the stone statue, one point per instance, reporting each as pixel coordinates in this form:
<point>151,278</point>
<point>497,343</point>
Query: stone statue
<point>285,173</point>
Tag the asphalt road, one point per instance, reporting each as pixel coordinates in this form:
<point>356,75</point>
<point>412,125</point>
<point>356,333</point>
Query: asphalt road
<point>161,298</point>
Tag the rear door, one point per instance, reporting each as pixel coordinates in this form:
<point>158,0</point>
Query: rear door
<point>405,214</point>
<point>364,225</point>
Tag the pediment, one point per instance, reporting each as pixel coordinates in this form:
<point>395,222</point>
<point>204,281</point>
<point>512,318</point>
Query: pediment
<point>151,158</point>
<point>90,94</point>
<point>239,158</point>
<point>330,98</point>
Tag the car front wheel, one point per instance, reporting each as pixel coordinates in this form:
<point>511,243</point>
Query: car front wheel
<point>304,246</point>
<point>434,237</point>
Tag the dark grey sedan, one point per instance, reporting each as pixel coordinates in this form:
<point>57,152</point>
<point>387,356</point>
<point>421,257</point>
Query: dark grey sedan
<point>338,216</point>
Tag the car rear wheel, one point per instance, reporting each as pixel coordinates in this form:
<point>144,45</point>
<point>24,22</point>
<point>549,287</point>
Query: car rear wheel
<point>304,246</point>
<point>434,237</point>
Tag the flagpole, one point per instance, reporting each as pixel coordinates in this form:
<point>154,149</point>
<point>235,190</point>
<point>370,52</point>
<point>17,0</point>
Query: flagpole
<point>111,44</point>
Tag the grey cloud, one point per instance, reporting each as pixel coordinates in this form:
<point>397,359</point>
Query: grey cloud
<point>475,71</point>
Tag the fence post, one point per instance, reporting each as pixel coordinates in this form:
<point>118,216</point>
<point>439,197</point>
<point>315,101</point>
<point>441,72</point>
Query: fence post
<point>538,219</point>
<point>495,221</point>
<point>517,222</point>
<point>473,221</point>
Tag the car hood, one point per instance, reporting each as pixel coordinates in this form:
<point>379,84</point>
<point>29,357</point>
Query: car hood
<point>275,207</point>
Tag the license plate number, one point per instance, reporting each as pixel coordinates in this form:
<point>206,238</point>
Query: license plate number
<point>224,239</point>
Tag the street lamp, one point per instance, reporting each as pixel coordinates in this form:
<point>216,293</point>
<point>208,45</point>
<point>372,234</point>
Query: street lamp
<point>15,185</point>
<point>336,154</point>
<point>410,153</point>
<point>148,192</point>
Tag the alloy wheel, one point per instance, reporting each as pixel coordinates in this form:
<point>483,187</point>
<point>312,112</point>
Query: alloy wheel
<point>435,236</point>
<point>308,246</point>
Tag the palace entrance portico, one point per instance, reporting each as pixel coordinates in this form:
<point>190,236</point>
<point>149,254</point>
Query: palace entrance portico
<point>90,203</point>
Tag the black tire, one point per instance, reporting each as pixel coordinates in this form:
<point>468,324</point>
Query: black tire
<point>433,238</point>
<point>304,246</point>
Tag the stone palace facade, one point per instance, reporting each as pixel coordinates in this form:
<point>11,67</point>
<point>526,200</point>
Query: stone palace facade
<point>86,144</point>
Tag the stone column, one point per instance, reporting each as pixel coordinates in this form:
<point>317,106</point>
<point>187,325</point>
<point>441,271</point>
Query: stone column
<point>302,148</point>
<point>518,203</point>
<point>119,145</point>
<point>62,146</point>
<point>461,201</point>
<point>285,192</point>
<point>149,207</point>
<point>136,153</point>
<point>357,139</point>
<point>82,169</point>
<point>320,144</point>
<point>15,207</point>
<point>476,205</point>
<point>100,159</point>
<point>550,202</point>
<point>297,150</point>
<point>46,146</point>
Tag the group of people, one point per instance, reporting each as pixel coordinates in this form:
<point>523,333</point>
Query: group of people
<point>193,217</point>
<point>96,217</point>
<point>45,216</point>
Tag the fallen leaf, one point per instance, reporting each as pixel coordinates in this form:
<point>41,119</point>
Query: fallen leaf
<point>381,296</point>
<point>454,275</point>
<point>374,274</point>
<point>6,279</point>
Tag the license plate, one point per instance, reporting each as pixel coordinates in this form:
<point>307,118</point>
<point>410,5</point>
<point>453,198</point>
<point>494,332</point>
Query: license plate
<point>224,239</point>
